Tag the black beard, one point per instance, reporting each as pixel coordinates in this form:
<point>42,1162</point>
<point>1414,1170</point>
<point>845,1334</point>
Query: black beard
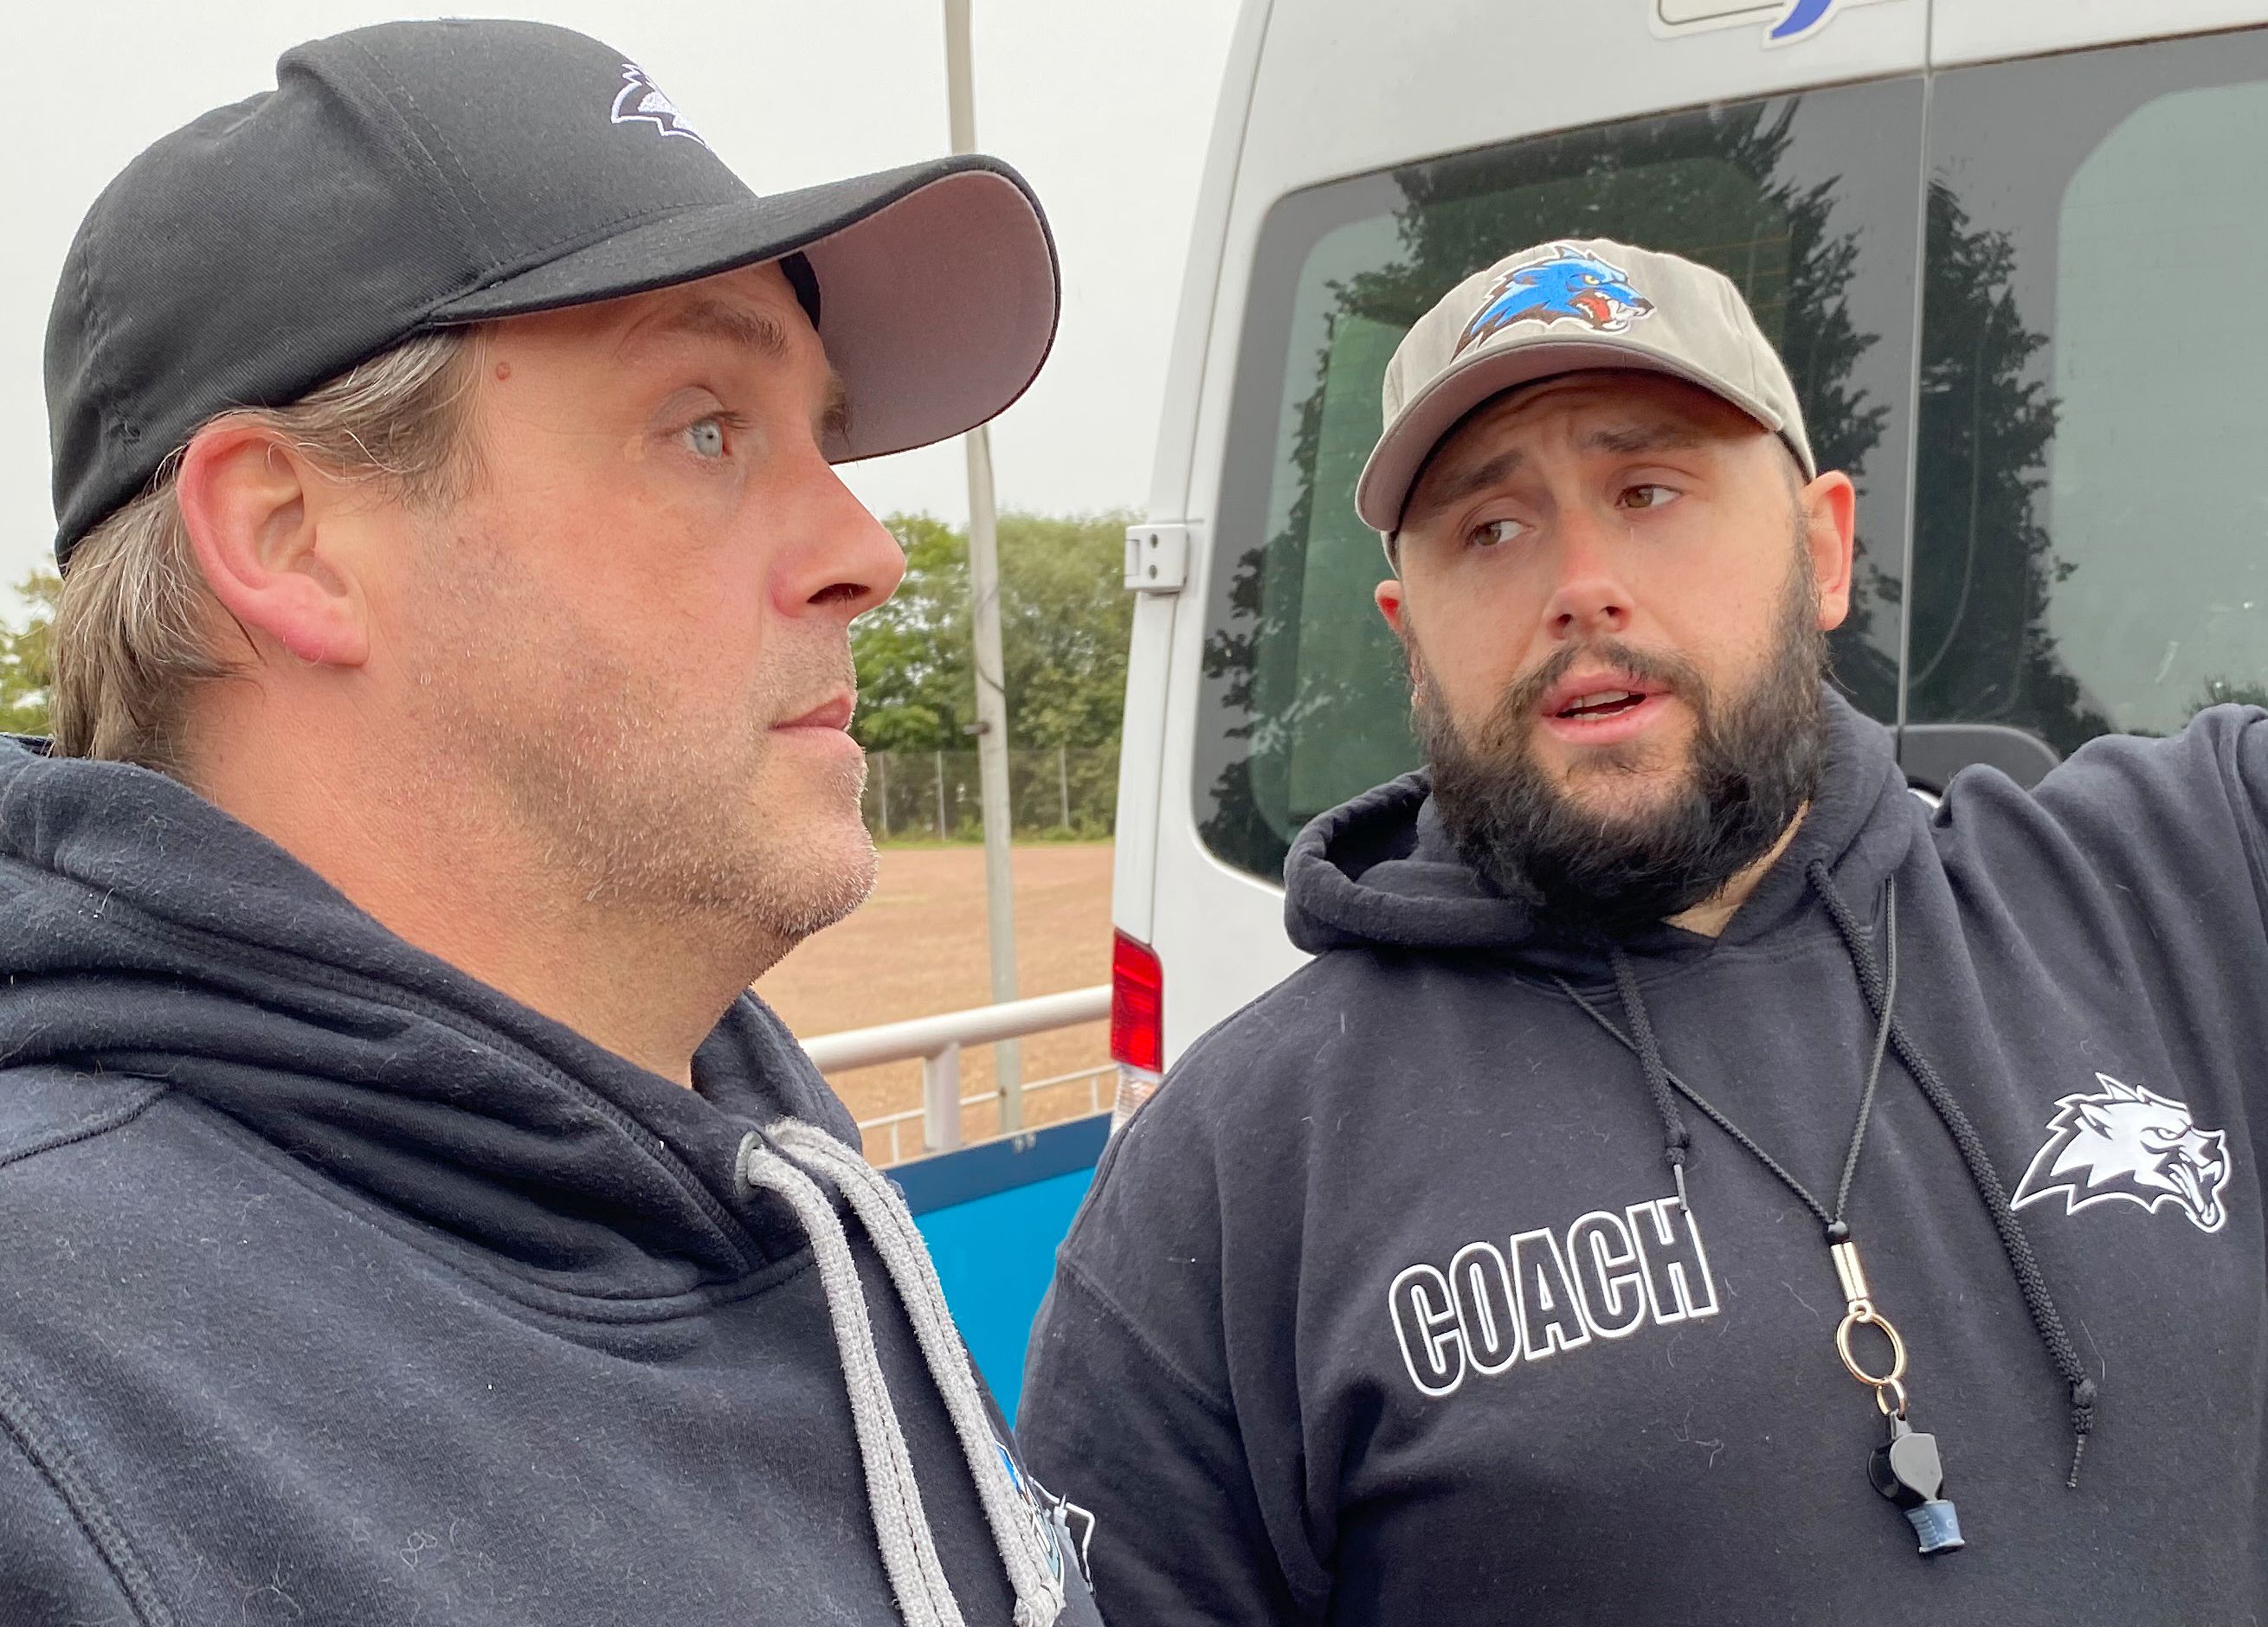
<point>1756,760</point>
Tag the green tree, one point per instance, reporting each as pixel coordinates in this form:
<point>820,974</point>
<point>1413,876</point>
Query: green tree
<point>24,668</point>
<point>1064,618</point>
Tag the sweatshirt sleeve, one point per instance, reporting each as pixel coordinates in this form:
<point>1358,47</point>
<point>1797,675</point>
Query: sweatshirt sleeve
<point>1153,1463</point>
<point>2173,820</point>
<point>1126,1411</point>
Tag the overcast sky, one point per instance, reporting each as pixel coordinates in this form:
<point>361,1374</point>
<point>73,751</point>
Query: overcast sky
<point>1106,109</point>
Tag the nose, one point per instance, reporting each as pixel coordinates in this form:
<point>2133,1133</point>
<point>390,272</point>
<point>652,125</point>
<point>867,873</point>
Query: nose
<point>1588,600</point>
<point>847,562</point>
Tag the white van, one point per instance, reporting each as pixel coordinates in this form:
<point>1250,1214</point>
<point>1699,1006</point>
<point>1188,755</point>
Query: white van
<point>2015,252</point>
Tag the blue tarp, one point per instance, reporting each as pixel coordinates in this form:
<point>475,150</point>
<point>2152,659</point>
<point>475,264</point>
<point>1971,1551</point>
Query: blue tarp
<point>992,1216</point>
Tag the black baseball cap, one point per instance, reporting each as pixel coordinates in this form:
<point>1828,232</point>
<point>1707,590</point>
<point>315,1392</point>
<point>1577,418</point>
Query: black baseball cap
<point>421,175</point>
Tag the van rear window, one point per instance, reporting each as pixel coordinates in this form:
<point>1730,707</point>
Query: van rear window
<point>1808,202</point>
<point>2091,538</point>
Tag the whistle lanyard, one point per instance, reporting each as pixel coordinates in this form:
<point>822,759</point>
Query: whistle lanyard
<point>1905,1467</point>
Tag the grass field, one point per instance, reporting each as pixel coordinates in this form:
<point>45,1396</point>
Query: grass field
<point>918,948</point>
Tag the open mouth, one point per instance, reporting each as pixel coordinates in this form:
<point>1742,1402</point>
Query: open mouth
<point>2196,1193</point>
<point>1602,708</point>
<point>1601,703</point>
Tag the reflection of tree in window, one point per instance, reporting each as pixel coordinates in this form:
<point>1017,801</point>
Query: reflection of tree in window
<point>1980,649</point>
<point>2225,692</point>
<point>1714,186</point>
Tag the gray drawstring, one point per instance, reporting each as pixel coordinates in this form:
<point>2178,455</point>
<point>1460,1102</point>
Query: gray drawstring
<point>890,1226</point>
<point>901,1527</point>
<point>908,1548</point>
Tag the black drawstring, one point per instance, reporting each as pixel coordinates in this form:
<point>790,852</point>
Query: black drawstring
<point>1837,1231</point>
<point>1661,1082</point>
<point>1881,992</point>
<point>1657,1077</point>
<point>2029,1280</point>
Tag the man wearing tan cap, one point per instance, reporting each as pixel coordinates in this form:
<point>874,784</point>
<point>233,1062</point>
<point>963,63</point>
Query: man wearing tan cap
<point>1693,1181</point>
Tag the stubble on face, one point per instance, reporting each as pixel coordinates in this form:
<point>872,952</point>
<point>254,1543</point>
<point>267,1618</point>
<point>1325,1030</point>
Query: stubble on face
<point>1754,761</point>
<point>579,753</point>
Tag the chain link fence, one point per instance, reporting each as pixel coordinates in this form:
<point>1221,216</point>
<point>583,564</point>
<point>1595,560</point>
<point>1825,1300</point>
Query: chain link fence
<point>1057,791</point>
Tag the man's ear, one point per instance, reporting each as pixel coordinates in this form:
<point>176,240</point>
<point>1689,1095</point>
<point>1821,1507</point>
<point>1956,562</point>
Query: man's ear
<point>1829,506</point>
<point>255,509</point>
<point>1389,594</point>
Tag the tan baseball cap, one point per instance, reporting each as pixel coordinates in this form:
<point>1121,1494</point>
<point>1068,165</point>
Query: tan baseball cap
<point>1564,308</point>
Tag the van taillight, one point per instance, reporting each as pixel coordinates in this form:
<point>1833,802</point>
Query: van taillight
<point>1137,1024</point>
<point>1138,1006</point>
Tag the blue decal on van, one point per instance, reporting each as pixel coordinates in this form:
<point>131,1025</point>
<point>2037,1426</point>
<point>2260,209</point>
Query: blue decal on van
<point>1803,16</point>
<point>1785,21</point>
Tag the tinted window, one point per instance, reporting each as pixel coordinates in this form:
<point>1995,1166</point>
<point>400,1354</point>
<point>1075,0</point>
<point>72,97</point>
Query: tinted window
<point>2091,525</point>
<point>1807,203</point>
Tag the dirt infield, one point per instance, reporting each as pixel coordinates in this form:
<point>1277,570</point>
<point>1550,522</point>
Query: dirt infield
<point>918,948</point>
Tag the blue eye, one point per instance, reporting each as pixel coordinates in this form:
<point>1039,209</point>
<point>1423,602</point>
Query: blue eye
<point>706,438</point>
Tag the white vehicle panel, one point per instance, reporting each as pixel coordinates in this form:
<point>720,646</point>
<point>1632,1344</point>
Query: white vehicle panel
<point>1332,99</point>
<point>1968,30</point>
<point>1169,477</point>
<point>1149,662</point>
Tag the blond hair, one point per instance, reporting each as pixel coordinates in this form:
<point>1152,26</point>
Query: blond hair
<point>132,630</point>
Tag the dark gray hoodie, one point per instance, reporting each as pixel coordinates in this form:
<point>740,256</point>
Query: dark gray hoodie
<point>1384,1310</point>
<point>337,1287</point>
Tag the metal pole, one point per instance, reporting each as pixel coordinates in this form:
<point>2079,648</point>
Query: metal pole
<point>941,1101</point>
<point>941,794</point>
<point>1062,781</point>
<point>984,592</point>
<point>882,796</point>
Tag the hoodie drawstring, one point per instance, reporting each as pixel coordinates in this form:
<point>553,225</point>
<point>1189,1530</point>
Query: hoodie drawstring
<point>908,1547</point>
<point>2030,1281</point>
<point>1879,990</point>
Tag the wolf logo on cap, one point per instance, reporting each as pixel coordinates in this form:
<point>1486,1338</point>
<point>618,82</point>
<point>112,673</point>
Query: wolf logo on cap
<point>1572,286</point>
<point>640,98</point>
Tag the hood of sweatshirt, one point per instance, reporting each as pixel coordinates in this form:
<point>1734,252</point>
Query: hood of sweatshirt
<point>143,931</point>
<point>1382,870</point>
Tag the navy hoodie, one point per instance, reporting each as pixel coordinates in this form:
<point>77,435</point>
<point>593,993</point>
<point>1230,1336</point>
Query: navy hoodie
<point>334,1286</point>
<point>1384,1310</point>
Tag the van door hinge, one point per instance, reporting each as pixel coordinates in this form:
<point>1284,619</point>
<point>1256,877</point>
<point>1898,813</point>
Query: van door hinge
<point>1158,556</point>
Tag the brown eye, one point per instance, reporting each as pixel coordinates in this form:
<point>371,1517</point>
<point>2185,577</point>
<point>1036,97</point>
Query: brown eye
<point>1490,533</point>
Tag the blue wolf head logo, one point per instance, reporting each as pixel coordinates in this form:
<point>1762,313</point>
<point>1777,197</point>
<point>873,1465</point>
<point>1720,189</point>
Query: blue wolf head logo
<point>1572,286</point>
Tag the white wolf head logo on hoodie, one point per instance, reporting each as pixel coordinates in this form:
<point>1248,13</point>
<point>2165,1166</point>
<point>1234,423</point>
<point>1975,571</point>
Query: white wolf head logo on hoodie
<point>2125,1142</point>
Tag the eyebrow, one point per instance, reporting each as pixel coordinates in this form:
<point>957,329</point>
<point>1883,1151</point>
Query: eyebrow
<point>756,332</point>
<point>1632,442</point>
<point>1460,483</point>
<point>1665,436</point>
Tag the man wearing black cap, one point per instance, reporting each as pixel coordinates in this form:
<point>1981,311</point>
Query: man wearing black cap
<point>410,1216</point>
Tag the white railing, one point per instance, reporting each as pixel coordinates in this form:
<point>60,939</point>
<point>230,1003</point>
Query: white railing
<point>937,1041</point>
<point>894,1122</point>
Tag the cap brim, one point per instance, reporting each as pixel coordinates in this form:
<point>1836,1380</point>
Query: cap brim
<point>1382,491</point>
<point>938,287</point>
